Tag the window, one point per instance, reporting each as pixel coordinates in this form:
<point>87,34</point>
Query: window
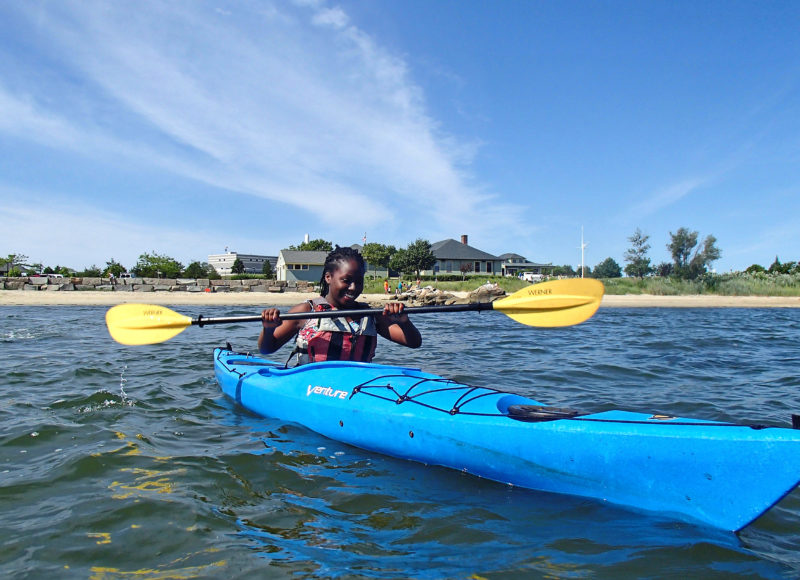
<point>477,267</point>
<point>488,267</point>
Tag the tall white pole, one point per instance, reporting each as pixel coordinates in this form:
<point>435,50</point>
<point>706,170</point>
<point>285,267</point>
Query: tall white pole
<point>583,248</point>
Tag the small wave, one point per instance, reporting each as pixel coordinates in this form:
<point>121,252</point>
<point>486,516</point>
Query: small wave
<point>94,402</point>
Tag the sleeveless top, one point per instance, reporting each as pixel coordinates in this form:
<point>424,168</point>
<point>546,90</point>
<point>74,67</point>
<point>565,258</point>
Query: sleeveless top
<point>323,339</point>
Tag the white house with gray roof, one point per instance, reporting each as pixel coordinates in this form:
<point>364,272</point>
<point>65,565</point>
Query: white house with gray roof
<point>514,265</point>
<point>294,265</point>
<point>452,255</point>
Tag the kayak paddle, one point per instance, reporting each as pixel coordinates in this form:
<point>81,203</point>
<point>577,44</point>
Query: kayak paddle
<point>549,304</point>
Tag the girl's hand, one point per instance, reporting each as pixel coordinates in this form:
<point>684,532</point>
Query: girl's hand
<point>395,312</point>
<point>271,318</point>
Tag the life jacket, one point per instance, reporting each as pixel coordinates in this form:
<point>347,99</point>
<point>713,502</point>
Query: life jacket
<point>323,339</point>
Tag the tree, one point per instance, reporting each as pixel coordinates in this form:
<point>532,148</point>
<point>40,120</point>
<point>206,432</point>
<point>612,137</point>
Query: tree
<point>565,270</point>
<point>419,256</point>
<point>115,268</point>
<point>778,268</point>
<point>608,268</point>
<point>14,261</point>
<point>664,269</point>
<point>92,271</point>
<point>399,261</point>
<point>238,267</point>
<point>155,265</point>
<point>707,254</point>
<point>636,256</point>
<point>682,244</point>
<point>197,270</point>
<point>466,268</point>
<point>318,245</point>
<point>266,269</point>
<point>377,255</point>
<point>755,269</point>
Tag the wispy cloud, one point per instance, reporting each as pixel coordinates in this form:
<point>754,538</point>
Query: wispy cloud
<point>289,103</point>
<point>667,196</point>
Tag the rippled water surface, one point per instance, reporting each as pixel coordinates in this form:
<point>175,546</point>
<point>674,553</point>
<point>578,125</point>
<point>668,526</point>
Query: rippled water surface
<point>117,461</point>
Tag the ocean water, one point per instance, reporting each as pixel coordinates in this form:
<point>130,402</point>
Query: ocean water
<point>123,461</point>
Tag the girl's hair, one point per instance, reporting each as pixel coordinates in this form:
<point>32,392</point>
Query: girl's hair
<point>334,259</point>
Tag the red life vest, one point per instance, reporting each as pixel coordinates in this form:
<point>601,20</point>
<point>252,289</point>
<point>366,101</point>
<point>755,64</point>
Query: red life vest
<point>323,339</point>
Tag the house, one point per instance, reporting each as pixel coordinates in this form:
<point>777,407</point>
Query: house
<point>453,257</point>
<point>253,264</point>
<point>514,265</point>
<point>294,265</point>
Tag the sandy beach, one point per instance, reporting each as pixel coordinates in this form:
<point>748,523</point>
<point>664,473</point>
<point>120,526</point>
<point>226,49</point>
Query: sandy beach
<point>258,299</point>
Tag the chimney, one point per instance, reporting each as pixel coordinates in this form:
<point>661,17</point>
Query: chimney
<point>464,239</point>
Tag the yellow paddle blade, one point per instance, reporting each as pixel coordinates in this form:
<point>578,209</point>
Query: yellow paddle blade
<point>556,303</point>
<point>144,323</point>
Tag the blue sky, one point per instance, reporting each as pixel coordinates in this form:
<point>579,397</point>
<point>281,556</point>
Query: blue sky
<point>188,127</point>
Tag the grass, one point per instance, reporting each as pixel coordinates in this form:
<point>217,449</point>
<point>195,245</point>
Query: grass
<point>733,284</point>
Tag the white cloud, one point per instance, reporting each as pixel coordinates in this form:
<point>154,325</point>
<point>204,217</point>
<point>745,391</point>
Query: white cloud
<point>333,17</point>
<point>294,105</point>
<point>667,196</point>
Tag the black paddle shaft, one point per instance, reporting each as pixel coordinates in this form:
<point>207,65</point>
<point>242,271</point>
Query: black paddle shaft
<point>200,321</point>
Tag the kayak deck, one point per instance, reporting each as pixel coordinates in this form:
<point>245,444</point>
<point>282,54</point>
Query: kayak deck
<point>719,473</point>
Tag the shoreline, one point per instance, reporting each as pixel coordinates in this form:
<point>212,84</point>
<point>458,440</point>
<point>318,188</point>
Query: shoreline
<point>106,298</point>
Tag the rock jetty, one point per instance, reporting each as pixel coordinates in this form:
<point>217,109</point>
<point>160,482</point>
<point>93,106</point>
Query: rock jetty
<point>77,284</point>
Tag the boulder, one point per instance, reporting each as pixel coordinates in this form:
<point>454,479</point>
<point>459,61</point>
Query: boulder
<point>427,296</point>
<point>38,280</point>
<point>486,293</point>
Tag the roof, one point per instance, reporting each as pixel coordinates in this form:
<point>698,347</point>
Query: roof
<point>511,257</point>
<point>454,250</point>
<point>304,257</point>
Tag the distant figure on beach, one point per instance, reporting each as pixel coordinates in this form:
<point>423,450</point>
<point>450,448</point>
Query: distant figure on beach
<point>386,286</point>
<point>399,288</point>
<point>343,338</point>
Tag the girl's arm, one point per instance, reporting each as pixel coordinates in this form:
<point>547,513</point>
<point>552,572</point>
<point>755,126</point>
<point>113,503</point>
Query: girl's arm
<point>276,332</point>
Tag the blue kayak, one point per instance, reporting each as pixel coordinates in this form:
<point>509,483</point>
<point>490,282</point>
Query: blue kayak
<point>722,474</point>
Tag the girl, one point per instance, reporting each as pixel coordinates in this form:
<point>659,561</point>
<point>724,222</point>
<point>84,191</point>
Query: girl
<point>350,338</point>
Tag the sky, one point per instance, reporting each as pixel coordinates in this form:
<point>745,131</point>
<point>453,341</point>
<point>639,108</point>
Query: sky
<point>185,128</point>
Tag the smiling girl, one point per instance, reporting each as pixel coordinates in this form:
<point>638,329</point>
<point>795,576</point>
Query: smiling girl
<point>345,338</point>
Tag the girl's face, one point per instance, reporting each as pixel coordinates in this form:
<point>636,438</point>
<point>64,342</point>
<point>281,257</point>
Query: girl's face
<point>345,284</point>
